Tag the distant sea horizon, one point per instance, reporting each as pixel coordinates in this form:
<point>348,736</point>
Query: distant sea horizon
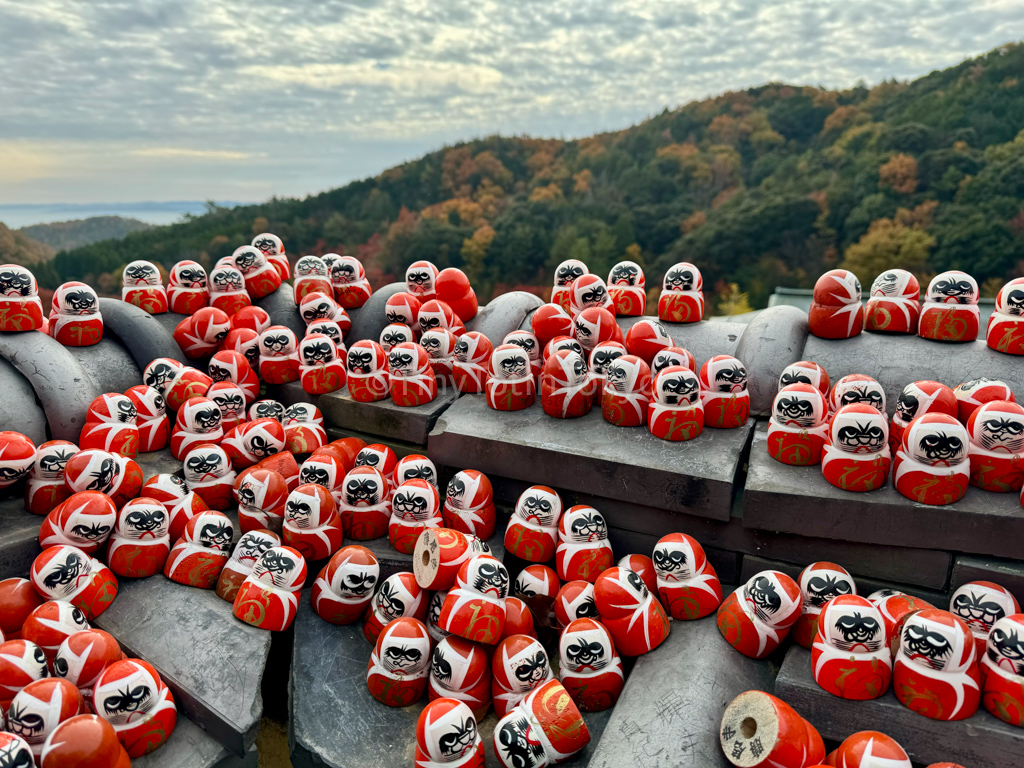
<point>18,215</point>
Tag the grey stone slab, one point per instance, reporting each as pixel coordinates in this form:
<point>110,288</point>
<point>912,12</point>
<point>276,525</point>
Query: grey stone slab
<point>61,384</point>
<point>370,320</point>
<point>671,707</point>
<point>896,361</point>
<point>779,497</point>
<point>383,418</point>
<point>504,314</point>
<point>589,454</point>
<point>191,747</point>
<point>211,661</point>
<point>704,339</point>
<point>19,410</point>
<point>335,722</point>
<point>753,564</point>
<point>158,462</point>
<point>19,537</point>
<point>280,305</point>
<point>140,332</point>
<point>923,567</point>
<point>981,740</point>
<point>774,339</point>
<point>109,363</point>
<point>1006,573</point>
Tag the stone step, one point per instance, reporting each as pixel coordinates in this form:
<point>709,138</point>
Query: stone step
<point>381,419</point>
<point>211,661</point>
<point>671,707</point>
<point>19,411</point>
<point>780,497</point>
<point>980,740</point>
<point>334,721</point>
<point>590,455</point>
<point>1006,573</point>
<point>191,747</point>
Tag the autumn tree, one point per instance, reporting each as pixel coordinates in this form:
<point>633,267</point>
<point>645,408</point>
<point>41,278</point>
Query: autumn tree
<point>733,301</point>
<point>899,173</point>
<point>898,243</point>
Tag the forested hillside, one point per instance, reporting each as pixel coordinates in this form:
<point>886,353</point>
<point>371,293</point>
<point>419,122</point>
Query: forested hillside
<point>763,187</point>
<point>66,235</point>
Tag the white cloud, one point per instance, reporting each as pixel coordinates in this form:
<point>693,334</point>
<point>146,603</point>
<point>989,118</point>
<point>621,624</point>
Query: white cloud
<point>296,96</point>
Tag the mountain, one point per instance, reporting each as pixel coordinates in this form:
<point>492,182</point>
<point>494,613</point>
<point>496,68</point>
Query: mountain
<point>761,187</point>
<point>18,248</point>
<point>68,235</point>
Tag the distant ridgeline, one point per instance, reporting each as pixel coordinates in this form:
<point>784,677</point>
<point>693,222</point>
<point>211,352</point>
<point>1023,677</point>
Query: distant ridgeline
<point>763,187</point>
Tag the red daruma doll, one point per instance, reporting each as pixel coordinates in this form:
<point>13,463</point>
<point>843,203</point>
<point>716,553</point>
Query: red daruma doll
<point>1002,669</point>
<point>279,360</point>
<point>415,507</point>
<point>411,377</point>
<point>399,595</point>
<point>475,607</point>
<point>351,288</point>
<point>996,431</point>
<point>187,288</point>
<point>367,372</point>
<point>857,457</point>
<point>836,311</point>
<point>20,307</point>
<point>461,670</point>
<point>627,392</point>
<point>756,618</point>
<point>688,585</point>
<point>634,617</point>
<point>682,294</point>
<point>268,598</point>
<point>472,363</point>
<point>931,466</point>
<point>917,399</point>
<point>805,372</point>
<point>144,718</point>
<point>797,429</point>
<point>980,604</point>
<point>311,522</point>
<point>75,319</point>
<point>546,728</point>
<point>141,286</point>
<point>583,551</point>
<point>849,657</point>
<point>936,673</point>
<point>344,587</point>
<point>400,663</point>
<point>760,730</point>
<point>974,393</point>
<point>819,583</point>
<point>550,321</point>
<point>320,369</point>
<point>1006,325</point>
<point>894,303</point>
<point>419,280</point>
<point>950,311</point>
<point>626,287</point>
<point>261,277</point>
<point>469,504</point>
<point>446,734</point>
<point>723,390</point>
<point>530,345</point>
<point>140,542</point>
<point>566,274</point>
<point>273,251</point>
<point>532,532</point>
<point>588,291</point>
<point>511,385</point>
<point>589,667</point>
<point>520,665</point>
<point>565,386</point>
<point>365,510</point>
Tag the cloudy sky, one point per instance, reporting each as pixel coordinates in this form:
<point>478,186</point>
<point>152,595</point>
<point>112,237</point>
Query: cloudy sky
<point>196,99</point>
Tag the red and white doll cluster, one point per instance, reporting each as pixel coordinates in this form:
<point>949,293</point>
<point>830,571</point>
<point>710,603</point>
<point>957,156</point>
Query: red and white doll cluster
<point>57,669</point>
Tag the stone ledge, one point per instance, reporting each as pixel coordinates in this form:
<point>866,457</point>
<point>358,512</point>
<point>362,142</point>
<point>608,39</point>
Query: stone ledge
<point>191,747</point>
<point>779,497</point>
<point>211,661</point>
<point>590,455</point>
<point>981,740</point>
<point>671,708</point>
